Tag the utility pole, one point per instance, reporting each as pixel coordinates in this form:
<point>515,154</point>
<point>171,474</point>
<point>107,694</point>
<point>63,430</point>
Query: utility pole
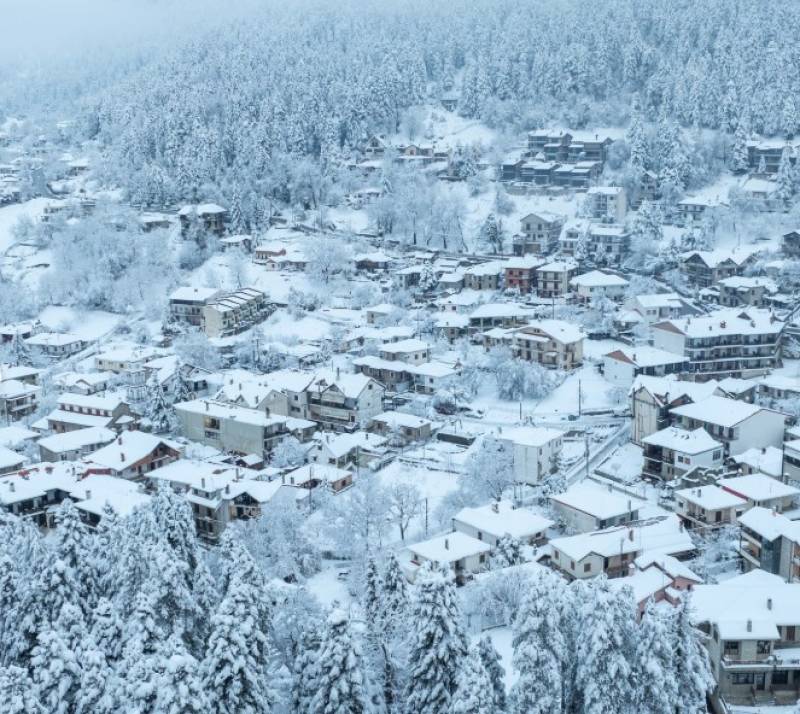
<point>426,517</point>
<point>586,450</point>
<point>580,397</point>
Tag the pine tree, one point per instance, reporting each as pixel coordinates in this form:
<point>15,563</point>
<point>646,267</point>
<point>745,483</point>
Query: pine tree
<point>762,166</point>
<point>237,223</point>
<point>17,693</point>
<point>20,354</point>
<point>73,561</point>
<point>158,411</point>
<point>539,651</point>
<point>438,644</point>
<point>739,157</point>
<point>98,683</point>
<point>107,630</point>
<point>105,549</point>
<point>474,693</point>
<point>494,669</point>
<point>234,669</point>
<point>785,178</point>
<point>304,671</point>
<point>373,587</point>
<point>394,599</point>
<point>341,685</point>
<point>692,668</point>
<point>181,389</point>
<point>637,141</point>
<point>507,552</point>
<point>654,663</point>
<point>606,650</point>
<point>56,672</point>
<point>180,688</point>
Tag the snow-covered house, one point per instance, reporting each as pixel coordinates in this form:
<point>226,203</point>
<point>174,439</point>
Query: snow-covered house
<point>708,506</point>
<point>56,345</point>
<point>672,452</point>
<point>598,283</point>
<point>553,279</point>
<point>539,234</point>
<point>496,520</point>
<point>623,365</point>
<point>18,399</point>
<point>341,450</point>
<point>72,445</point>
<point>462,553</point>
<point>588,506</point>
<point>729,342</point>
<point>311,476</point>
<point>344,402</point>
<point>186,304</point>
<point>132,455</point>
<point>234,312</point>
<point>656,307</point>
<point>208,216</point>
<point>761,490</point>
<point>753,627</point>
<point>78,411</point>
<point>704,268</point>
<point>411,351</point>
<point>498,314</point>
<point>551,343</point>
<point>738,425</point>
<point>520,273</point>
<point>766,460</point>
<point>613,551</point>
<point>605,203</point>
<point>771,542</point>
<point>660,578</point>
<point>484,276</point>
<point>401,427</point>
<point>740,290</point>
<point>536,451</point>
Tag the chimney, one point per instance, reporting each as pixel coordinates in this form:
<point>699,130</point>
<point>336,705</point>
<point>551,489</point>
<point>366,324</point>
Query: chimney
<point>630,505</point>
<point>609,488</point>
<point>338,372</point>
<point>88,494</point>
<point>227,488</point>
<point>630,535</point>
<point>446,544</point>
<point>769,603</point>
<point>749,625</point>
<point>11,486</point>
<point>119,440</point>
<point>206,406</point>
<point>496,507</point>
<point>203,483</point>
<point>122,456</point>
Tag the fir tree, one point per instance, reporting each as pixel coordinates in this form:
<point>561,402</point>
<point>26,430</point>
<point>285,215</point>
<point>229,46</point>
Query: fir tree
<point>539,651</point>
<point>158,411</point>
<point>740,161</point>
<point>341,685</point>
<point>438,644</point>
<point>474,693</point>
<point>234,669</point>
<point>507,552</point>
<point>17,693</point>
<point>785,178</point>
<point>494,669</point>
<point>56,672</point>
<point>97,685</point>
<point>107,630</point>
<point>373,587</point>
<point>304,671</point>
<point>606,650</point>
<point>692,668</point>
<point>654,663</point>
<point>180,688</point>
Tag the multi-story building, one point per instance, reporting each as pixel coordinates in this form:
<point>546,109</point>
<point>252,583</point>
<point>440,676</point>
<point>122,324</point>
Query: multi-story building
<point>770,150</point>
<point>622,366</point>
<point>539,233</point>
<point>588,506</point>
<point>186,304</point>
<point>501,519</point>
<point>78,411</point>
<point>234,312</point>
<point>726,343</point>
<point>18,399</point>
<point>536,451</point>
<point>552,279</point>
<point>708,506</point>
<point>344,402</point>
<point>771,542</point>
<point>750,292</point>
<point>521,273</point>
<point>753,627</point>
<point>551,343</point>
<point>607,203</point>
<point>738,425</point>
<point>661,306</point>
<point>598,283</point>
<point>704,268</point>
<point>484,276</point>
<point>206,216</point>
<point>671,452</point>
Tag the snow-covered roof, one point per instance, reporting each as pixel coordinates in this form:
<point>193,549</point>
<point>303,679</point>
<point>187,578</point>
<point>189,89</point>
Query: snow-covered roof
<point>597,501</point>
<point>743,282</point>
<point>13,388</point>
<point>83,420</point>
<point>560,330</point>
<point>530,435</point>
<point>13,435</point>
<point>669,387</point>
<point>339,445</point>
<point>713,258</point>
<point>405,346</point>
<point>53,339</point>
<point>758,487</point>
<point>224,410</point>
<point>711,498</point>
<point>664,536</point>
<point>719,411</point>
<point>449,548</point>
<point>660,300</point>
<point>559,266</point>
<point>645,356</point>
<point>768,460</point>
<point>89,401</point>
<point>77,439</point>
<point>669,564</point>
<point>351,385</point>
<point>10,459</point>
<point>128,448</point>
<point>396,420</point>
<point>598,278</point>
<point>686,442</point>
<point>194,294</point>
<point>502,518</point>
<point>769,524</point>
<point>316,472</point>
<point>499,309</point>
<point>759,599</point>
<point>751,321</point>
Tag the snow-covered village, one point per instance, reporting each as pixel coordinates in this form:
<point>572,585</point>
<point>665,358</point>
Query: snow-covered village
<point>411,359</point>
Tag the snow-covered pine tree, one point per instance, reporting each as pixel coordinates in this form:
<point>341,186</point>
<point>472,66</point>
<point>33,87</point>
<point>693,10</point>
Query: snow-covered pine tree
<point>181,389</point>
<point>494,669</point>
<point>180,687</point>
<point>73,552</point>
<point>539,651</point>
<point>507,552</point>
<point>341,680</point>
<point>606,649</point>
<point>785,178</point>
<point>654,663</point>
<point>234,668</point>
<point>157,410</point>
<point>692,668</point>
<point>104,552</point>
<point>373,588</point>
<point>56,672</point>
<point>304,671</point>
<point>98,683</point>
<point>438,644</point>
<point>739,156</point>
<point>106,632</point>
<point>474,694</point>
<point>18,694</point>
<point>394,596</point>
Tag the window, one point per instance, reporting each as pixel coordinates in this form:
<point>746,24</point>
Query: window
<point>587,567</point>
<point>742,678</point>
<point>731,647</point>
<point>790,633</point>
<point>762,646</point>
<point>572,565</point>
